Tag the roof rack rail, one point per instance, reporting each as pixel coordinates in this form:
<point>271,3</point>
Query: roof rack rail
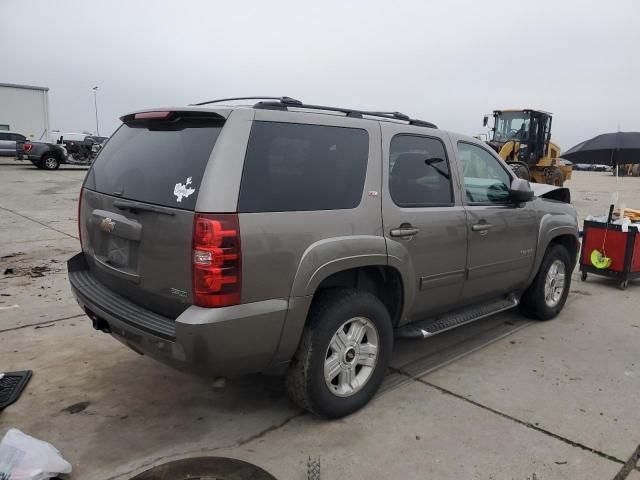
<point>284,103</point>
<point>283,100</point>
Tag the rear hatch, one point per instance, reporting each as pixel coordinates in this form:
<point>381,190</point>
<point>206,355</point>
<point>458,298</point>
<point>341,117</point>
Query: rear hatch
<point>138,202</point>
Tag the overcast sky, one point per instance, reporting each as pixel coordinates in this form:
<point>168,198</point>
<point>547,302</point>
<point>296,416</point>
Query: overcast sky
<point>448,62</point>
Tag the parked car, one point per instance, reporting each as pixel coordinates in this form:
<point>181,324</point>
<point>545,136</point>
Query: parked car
<point>601,168</point>
<point>582,166</point>
<point>8,142</point>
<point>278,238</point>
<point>48,156</point>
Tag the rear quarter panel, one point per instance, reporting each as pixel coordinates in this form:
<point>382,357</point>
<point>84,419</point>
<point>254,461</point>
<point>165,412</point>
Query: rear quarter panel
<point>287,253</point>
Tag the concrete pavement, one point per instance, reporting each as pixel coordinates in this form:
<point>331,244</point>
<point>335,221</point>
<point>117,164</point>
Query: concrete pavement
<point>501,398</point>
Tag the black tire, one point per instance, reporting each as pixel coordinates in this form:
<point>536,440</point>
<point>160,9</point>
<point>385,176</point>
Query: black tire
<point>533,303</point>
<point>306,383</point>
<point>50,162</point>
<point>521,170</point>
<point>583,276</point>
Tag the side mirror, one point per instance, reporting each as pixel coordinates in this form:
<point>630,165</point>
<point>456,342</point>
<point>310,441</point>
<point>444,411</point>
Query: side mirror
<point>520,191</point>
<point>485,120</point>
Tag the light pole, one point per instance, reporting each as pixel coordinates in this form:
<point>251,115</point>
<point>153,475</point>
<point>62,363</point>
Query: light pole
<point>95,104</point>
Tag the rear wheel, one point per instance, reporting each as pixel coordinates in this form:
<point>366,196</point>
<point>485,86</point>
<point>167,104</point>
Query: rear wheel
<point>546,296</point>
<point>50,162</point>
<point>556,178</point>
<point>521,170</point>
<point>343,355</point>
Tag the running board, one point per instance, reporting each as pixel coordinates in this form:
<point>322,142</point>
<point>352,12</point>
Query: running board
<point>442,323</point>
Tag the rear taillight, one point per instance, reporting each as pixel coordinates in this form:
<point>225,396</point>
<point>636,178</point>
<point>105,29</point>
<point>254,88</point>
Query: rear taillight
<point>217,266</point>
<point>27,147</point>
<point>79,225</point>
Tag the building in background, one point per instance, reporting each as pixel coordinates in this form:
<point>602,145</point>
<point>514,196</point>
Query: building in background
<point>25,109</point>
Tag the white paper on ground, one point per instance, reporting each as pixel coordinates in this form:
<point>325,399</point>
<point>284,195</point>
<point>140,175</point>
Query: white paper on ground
<point>23,457</point>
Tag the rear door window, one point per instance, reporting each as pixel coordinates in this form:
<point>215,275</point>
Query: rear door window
<point>158,162</point>
<point>299,167</point>
<point>419,172</point>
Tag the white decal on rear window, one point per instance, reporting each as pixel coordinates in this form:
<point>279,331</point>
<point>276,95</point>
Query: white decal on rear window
<point>183,191</point>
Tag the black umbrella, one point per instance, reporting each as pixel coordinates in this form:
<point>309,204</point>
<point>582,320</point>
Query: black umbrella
<point>607,149</point>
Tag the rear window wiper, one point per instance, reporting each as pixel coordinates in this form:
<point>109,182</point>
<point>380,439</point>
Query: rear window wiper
<point>137,206</point>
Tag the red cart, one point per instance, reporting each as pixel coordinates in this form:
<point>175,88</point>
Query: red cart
<point>622,247</point>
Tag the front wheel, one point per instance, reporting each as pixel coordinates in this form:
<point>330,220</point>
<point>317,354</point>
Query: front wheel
<point>546,296</point>
<point>343,354</point>
<point>50,162</point>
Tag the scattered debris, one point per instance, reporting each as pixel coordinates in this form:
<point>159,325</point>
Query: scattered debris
<point>580,292</point>
<point>9,307</point>
<point>11,255</point>
<point>76,407</point>
<point>35,271</point>
<point>27,458</point>
<point>5,294</point>
<point>38,271</point>
<point>564,462</point>
<point>44,326</point>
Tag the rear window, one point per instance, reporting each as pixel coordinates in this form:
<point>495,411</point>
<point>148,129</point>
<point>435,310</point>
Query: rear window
<point>159,162</point>
<point>297,167</point>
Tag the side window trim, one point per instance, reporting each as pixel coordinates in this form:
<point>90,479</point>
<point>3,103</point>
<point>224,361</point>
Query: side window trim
<point>498,161</point>
<point>452,202</point>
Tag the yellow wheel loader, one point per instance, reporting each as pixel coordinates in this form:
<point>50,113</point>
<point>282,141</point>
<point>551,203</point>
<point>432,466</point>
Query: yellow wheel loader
<point>522,138</point>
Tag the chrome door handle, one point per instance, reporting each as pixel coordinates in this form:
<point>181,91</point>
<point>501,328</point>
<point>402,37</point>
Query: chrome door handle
<point>481,227</point>
<point>404,232</point>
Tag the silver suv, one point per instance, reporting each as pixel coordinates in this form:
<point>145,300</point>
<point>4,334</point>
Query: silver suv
<point>8,142</point>
<point>289,238</point>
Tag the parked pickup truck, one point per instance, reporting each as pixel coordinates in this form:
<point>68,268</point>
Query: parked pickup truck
<point>301,239</point>
<point>49,155</point>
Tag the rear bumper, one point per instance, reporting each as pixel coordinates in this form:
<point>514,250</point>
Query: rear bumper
<point>207,341</point>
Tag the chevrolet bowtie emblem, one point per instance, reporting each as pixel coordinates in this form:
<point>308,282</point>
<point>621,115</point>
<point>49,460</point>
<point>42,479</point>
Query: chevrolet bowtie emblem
<point>107,225</point>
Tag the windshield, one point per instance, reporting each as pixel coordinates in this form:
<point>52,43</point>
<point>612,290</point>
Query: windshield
<point>511,126</point>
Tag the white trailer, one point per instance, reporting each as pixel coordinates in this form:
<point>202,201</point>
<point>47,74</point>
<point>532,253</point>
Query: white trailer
<point>25,109</point>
